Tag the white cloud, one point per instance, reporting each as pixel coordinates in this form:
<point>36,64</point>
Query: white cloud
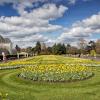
<point>20,5</point>
<point>32,24</point>
<point>46,12</point>
<point>72,1</point>
<point>84,28</point>
<point>29,26</point>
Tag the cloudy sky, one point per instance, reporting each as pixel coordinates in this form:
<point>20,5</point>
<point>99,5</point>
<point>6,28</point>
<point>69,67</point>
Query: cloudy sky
<point>49,21</point>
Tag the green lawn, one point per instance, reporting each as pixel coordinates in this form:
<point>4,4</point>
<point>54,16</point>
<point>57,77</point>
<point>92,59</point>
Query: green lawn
<point>21,89</point>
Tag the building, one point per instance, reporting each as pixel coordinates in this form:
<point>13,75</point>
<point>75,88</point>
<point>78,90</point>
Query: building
<point>5,45</point>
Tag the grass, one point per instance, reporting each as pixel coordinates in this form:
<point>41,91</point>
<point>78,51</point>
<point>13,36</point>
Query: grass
<point>21,89</point>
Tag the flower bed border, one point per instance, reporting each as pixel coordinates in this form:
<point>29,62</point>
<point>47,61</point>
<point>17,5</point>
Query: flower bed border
<point>67,81</point>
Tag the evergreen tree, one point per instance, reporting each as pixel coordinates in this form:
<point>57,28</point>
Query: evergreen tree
<point>18,49</point>
<point>59,49</point>
<point>49,50</point>
<point>68,47</point>
<point>93,45</point>
<point>38,48</point>
<point>63,49</point>
<point>54,49</point>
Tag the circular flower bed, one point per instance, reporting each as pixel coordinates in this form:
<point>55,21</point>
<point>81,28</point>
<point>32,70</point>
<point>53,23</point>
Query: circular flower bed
<point>56,73</point>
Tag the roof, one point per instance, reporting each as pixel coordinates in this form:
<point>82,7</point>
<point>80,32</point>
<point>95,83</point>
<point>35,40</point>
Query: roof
<point>1,39</point>
<point>7,40</point>
<point>4,40</point>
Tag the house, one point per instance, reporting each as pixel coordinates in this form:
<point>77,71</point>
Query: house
<point>5,45</point>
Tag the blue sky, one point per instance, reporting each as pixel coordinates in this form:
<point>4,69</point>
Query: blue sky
<point>49,21</point>
<point>79,11</point>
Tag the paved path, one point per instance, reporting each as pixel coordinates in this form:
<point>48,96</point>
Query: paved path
<point>85,57</point>
<point>97,58</point>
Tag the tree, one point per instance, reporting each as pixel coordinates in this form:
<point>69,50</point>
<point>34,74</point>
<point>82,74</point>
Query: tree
<point>29,50</point>
<point>68,47</point>
<point>38,48</point>
<point>54,49</point>
<point>82,45</point>
<point>97,43</point>
<point>93,53</point>
<point>59,49</point>
<point>49,50</point>
<point>43,48</point>
<point>88,49</point>
<point>93,49</point>
<point>18,49</point>
<point>33,49</point>
<point>74,50</point>
<point>63,49</point>
<point>93,45</point>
